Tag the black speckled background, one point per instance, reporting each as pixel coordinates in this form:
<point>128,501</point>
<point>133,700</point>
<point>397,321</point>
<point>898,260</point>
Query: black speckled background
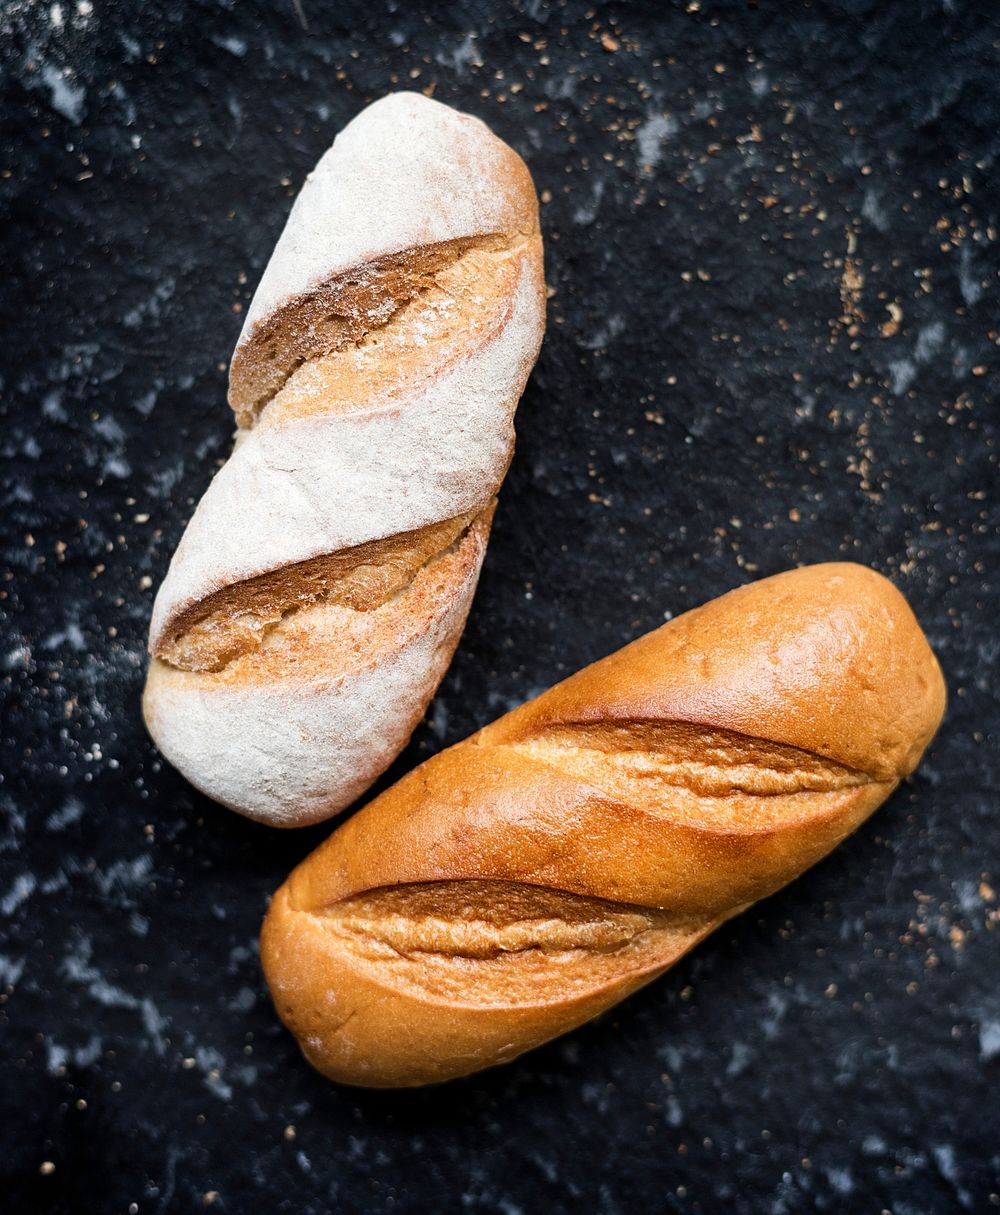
<point>772,249</point>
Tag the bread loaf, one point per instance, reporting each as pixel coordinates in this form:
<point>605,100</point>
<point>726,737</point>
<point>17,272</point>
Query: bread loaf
<point>319,591</point>
<point>519,883</point>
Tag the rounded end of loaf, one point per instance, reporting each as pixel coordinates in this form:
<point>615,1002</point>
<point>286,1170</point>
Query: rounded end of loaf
<point>292,733</point>
<point>344,1025</point>
<point>409,179</point>
<point>828,658</point>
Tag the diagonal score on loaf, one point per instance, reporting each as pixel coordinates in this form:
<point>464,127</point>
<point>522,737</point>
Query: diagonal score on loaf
<point>239,619</point>
<point>360,307</point>
<point>735,780</point>
<point>493,943</point>
<point>455,315</point>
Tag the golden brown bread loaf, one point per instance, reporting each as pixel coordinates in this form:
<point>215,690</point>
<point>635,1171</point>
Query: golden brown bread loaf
<point>318,593</point>
<point>525,880</point>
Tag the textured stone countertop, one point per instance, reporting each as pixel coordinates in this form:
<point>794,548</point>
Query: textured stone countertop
<point>774,338</point>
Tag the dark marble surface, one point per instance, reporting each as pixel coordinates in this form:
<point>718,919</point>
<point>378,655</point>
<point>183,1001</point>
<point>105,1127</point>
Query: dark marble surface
<point>772,247</point>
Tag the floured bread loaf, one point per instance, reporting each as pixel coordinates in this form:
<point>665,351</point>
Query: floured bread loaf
<point>318,593</point>
<point>525,880</point>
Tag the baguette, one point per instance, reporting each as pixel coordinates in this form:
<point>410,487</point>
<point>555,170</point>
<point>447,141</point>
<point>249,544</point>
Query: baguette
<point>523,881</point>
<point>319,591</point>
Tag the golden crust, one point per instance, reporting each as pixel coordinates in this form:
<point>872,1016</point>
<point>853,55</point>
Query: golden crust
<point>681,779</point>
<point>765,652</point>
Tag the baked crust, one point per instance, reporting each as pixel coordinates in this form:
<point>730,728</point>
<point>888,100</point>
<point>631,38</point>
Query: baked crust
<point>519,883</point>
<point>375,385</point>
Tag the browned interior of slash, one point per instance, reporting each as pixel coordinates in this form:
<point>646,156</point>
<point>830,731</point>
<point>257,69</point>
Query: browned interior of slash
<point>236,619</point>
<point>337,314</point>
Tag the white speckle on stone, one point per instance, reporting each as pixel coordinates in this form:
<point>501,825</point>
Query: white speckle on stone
<point>969,898</point>
<point>613,326</point>
<point>55,1057</point>
<point>210,1063</point>
<point>145,403</point>
<point>244,1000</point>
<point>235,46</point>
<point>71,811</point>
<point>66,98</point>
<point>71,635</point>
<point>19,656</point>
<point>989,1040</point>
<point>945,1159</point>
<point>650,137</point>
<point>152,306</point>
<point>20,891</point>
<point>125,873</point>
<point>930,341</point>
<point>968,283</point>
<point>77,967</point>
<point>759,84</point>
<point>154,1023</point>
<point>461,57</point>
<point>52,407</point>
<point>903,372</point>
<point>11,970</point>
<point>585,213</point>
<point>739,1060</point>
<point>874,212</point>
<point>87,1055</point>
